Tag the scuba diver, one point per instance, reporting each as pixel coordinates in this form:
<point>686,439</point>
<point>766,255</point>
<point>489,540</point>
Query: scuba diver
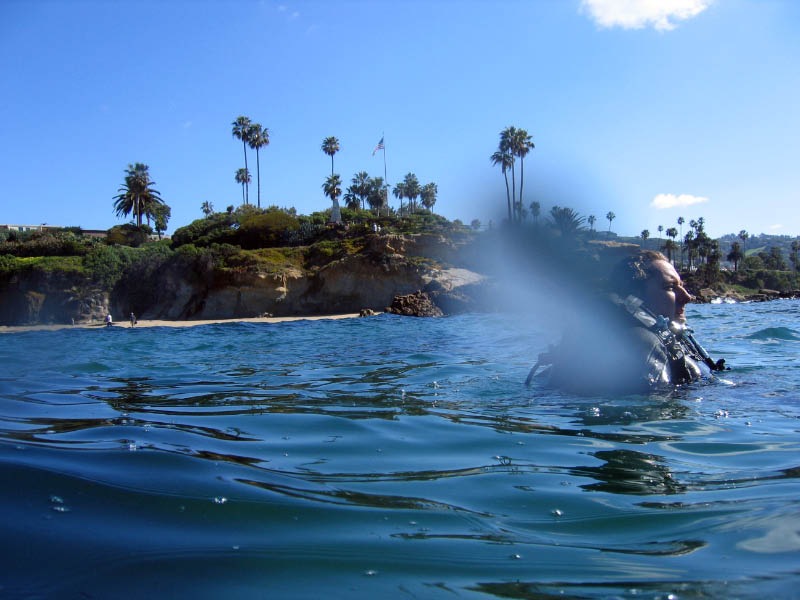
<point>634,339</point>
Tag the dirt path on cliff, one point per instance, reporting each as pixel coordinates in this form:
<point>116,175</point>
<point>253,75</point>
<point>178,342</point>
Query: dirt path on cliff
<point>160,323</point>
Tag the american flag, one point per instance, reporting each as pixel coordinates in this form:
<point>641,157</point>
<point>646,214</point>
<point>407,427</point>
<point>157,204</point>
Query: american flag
<point>380,146</point>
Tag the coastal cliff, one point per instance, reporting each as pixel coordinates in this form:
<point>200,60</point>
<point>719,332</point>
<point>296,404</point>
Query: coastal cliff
<point>200,287</point>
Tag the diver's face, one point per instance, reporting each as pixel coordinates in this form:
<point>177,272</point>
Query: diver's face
<point>664,292</point>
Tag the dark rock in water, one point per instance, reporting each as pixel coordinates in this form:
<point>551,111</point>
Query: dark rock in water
<point>418,304</point>
<point>366,312</point>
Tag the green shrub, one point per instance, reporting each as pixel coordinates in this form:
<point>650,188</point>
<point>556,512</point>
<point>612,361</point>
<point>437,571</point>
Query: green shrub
<point>128,235</point>
<point>266,230</point>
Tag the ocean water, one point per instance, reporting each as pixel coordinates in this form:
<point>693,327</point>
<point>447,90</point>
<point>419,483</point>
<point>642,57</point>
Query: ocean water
<point>393,457</point>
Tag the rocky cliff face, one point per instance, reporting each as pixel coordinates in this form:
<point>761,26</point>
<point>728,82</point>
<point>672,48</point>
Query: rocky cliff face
<point>50,297</point>
<point>389,266</point>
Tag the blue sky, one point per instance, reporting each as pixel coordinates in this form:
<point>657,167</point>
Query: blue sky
<point>691,101</point>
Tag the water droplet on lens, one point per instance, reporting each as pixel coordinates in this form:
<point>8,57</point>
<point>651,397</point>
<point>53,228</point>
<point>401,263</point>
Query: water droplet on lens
<point>220,500</point>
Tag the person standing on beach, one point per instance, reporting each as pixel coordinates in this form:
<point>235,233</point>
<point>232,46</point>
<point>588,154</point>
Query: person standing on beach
<point>133,320</point>
<point>109,320</point>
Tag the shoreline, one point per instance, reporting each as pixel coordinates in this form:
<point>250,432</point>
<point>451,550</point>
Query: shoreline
<point>164,323</point>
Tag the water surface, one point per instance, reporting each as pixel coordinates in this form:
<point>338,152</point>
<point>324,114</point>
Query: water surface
<point>392,456</point>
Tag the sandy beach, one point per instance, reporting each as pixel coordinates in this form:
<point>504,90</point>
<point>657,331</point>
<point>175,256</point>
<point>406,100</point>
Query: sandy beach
<point>160,323</point>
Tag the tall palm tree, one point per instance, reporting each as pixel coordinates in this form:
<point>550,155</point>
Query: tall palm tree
<point>521,145</point>
<point>330,146</point>
<point>504,160</point>
<point>645,235</point>
<point>243,177</point>
<point>681,221</point>
<point>241,130</point>
<point>536,210</point>
<point>507,137</point>
<point>399,192</point>
<point>258,137</point>
<point>377,194</point>
<point>610,216</point>
<point>412,190</point>
<point>333,189</point>
<point>591,220</point>
<point>672,233</point>
<point>660,230</point>
<point>137,194</point>
<point>361,186</point>
<point>207,208</point>
<point>428,195</point>
<point>743,235</point>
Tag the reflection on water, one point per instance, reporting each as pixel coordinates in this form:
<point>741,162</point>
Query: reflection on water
<point>389,456</point>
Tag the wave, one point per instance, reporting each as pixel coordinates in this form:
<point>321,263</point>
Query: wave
<point>774,333</point>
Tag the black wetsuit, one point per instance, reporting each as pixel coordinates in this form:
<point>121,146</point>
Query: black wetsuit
<point>623,349</point>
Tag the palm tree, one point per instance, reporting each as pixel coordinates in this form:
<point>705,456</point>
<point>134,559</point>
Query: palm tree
<point>330,146</point>
<point>207,208</point>
<point>243,177</point>
<point>258,138</point>
<point>399,192</point>
<point>681,221</point>
<point>566,220</point>
<point>735,255</point>
<point>672,233</point>
<point>591,220</point>
<point>610,216</point>
<point>505,160</point>
<point>161,216</point>
<point>333,189</point>
<point>645,234</point>
<point>743,235</point>
<point>521,144</point>
<point>412,189</point>
<point>507,137</point>
<point>377,194</point>
<point>137,195</point>
<point>660,230</point>
<point>361,187</point>
<point>241,129</point>
<point>428,195</point>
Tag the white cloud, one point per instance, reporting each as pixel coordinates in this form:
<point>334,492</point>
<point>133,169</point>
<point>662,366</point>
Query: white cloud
<point>636,14</point>
<point>775,227</point>
<point>671,200</point>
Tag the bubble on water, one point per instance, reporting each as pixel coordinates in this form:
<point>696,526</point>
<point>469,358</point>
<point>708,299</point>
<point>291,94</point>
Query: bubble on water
<point>556,512</point>
<point>220,500</point>
<point>721,414</point>
<point>61,508</point>
<point>520,443</point>
<point>515,557</point>
<point>748,423</point>
<point>565,483</point>
<point>594,411</point>
<point>412,522</point>
<point>286,454</point>
<point>370,572</point>
<point>56,499</point>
